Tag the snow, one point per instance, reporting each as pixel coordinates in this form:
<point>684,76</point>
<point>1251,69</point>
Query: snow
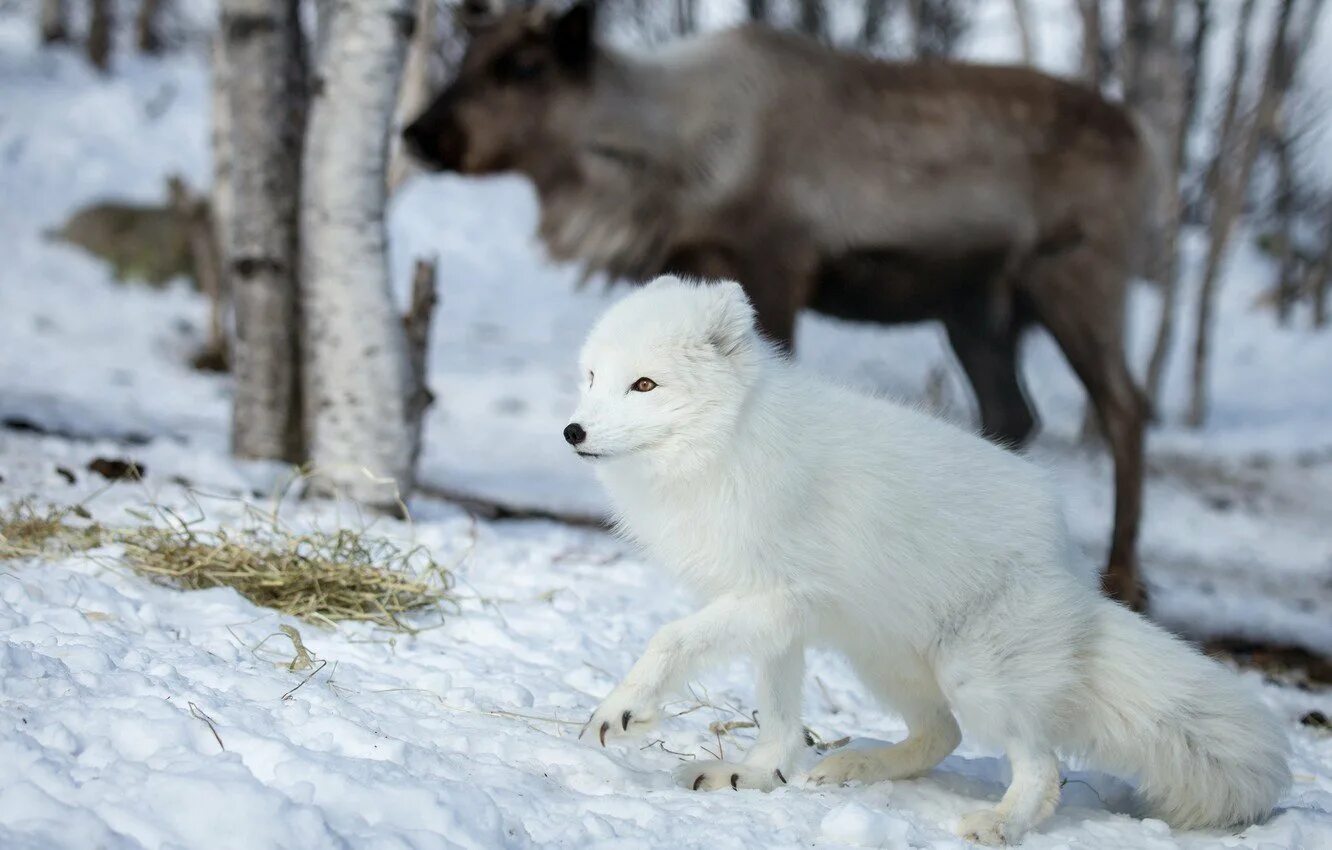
<point>133,715</point>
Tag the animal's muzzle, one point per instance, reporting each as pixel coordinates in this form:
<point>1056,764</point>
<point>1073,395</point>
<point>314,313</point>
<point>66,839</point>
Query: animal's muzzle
<point>436,141</point>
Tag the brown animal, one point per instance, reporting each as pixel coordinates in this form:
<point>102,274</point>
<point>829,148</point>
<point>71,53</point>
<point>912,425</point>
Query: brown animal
<point>989,198</point>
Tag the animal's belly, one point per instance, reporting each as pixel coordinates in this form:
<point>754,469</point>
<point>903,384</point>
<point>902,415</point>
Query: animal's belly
<point>893,285</point>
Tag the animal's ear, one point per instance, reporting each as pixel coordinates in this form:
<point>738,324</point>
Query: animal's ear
<point>732,326</point>
<point>572,34</point>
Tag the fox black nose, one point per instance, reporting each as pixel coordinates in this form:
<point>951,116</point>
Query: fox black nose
<point>574,434</point>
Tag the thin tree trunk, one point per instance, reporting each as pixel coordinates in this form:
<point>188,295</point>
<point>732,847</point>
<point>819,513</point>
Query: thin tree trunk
<point>265,59</point>
<point>686,17</point>
<point>100,28</point>
<point>146,33</point>
<point>1154,86</point>
<point>813,19</point>
<point>871,30</point>
<point>1169,260</point>
<point>758,10</point>
<point>1320,275</point>
<point>1194,70</point>
<point>357,367</point>
<point>1093,71</point>
<point>414,94</point>
<point>936,26</point>
<point>1225,137</point>
<point>223,194</point>
<point>206,258</point>
<point>1281,144</point>
<point>1026,37</point>
<point>1229,201</point>
<point>416,325</point>
<point>1283,209</point>
<point>54,21</point>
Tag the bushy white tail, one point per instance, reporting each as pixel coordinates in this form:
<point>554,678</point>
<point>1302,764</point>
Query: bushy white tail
<point>1202,749</point>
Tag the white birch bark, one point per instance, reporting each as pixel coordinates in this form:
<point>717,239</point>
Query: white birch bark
<point>265,62</point>
<point>357,370</point>
<point>222,195</point>
<point>1154,85</point>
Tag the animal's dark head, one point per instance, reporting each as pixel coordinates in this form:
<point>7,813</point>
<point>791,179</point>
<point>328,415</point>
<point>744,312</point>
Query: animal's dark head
<point>496,111</point>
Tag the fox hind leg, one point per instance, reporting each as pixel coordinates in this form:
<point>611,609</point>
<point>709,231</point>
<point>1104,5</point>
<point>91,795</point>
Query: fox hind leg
<point>908,685</point>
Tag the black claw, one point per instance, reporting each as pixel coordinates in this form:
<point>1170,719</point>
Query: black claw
<point>778,771</point>
<point>604,727</point>
<point>624,720</point>
<point>735,782</point>
<point>698,781</point>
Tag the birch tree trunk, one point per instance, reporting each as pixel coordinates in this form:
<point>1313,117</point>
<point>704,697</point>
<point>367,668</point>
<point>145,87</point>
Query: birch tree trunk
<point>54,22</point>
<point>358,377</point>
<point>417,87</point>
<point>1154,86</point>
<point>222,196</point>
<point>265,60</point>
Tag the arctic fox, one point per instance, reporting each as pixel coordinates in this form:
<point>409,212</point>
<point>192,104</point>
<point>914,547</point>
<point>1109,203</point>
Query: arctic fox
<point>804,513</point>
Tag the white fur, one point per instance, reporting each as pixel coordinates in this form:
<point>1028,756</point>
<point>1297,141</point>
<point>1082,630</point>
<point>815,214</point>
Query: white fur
<point>801,512</point>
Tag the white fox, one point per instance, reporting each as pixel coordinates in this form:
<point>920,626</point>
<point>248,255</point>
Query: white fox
<point>804,513</point>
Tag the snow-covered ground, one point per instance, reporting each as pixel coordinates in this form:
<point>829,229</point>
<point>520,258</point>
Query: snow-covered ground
<point>112,688</point>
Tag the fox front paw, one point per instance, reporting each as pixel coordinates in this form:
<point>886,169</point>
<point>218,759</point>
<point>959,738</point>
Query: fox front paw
<point>620,715</point>
<point>714,775</point>
<point>990,828</point>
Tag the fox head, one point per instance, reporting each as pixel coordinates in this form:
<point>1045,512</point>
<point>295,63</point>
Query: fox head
<point>665,374</point>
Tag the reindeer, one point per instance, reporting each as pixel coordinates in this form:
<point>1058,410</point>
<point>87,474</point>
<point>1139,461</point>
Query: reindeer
<point>989,198</point>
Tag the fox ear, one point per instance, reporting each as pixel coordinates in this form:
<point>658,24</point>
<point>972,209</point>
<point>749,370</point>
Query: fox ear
<point>733,319</point>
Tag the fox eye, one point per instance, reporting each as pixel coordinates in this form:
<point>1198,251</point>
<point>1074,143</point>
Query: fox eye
<point>643,385</point>
<point>591,377</point>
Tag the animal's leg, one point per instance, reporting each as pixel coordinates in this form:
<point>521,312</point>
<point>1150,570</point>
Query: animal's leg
<point>764,626</point>
<point>778,277</point>
<point>781,738</point>
<point>1080,300</point>
<point>905,683</point>
<point>1031,797</point>
<point>932,734</point>
<point>1013,667</point>
<point>989,356</point>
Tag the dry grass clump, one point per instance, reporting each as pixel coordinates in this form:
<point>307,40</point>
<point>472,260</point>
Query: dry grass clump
<point>26,530</point>
<point>319,577</point>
